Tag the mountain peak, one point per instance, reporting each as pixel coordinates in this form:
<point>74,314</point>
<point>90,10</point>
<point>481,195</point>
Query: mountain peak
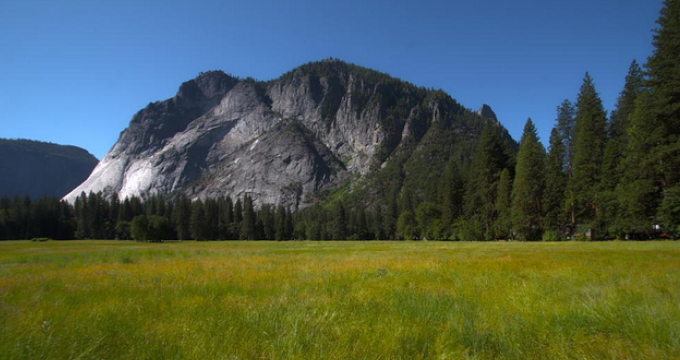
<point>487,113</point>
<point>288,141</point>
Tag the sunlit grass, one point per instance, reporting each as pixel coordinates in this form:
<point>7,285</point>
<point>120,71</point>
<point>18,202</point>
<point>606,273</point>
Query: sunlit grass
<point>339,300</point>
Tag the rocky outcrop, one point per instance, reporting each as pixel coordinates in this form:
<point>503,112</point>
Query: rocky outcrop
<point>287,141</point>
<point>39,169</point>
<point>487,113</point>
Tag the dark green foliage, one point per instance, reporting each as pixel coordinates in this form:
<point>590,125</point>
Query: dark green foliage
<point>139,228</point>
<point>339,223</point>
<point>589,141</point>
<point>407,226</point>
<point>428,217</point>
<point>527,190</point>
<point>555,186</point>
<point>651,165</point>
<point>612,164</point>
<point>619,120</point>
<point>504,205</point>
<point>23,218</point>
<point>151,228</point>
<point>451,192</point>
<point>198,222</point>
<point>566,114</point>
<point>182,218</point>
<point>490,158</point>
<point>249,222</point>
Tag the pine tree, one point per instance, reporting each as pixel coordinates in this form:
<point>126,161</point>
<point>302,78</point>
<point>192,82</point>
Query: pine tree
<point>139,228</point>
<point>266,222</point>
<point>451,190</point>
<point>614,150</point>
<point>249,222</point>
<point>589,141</point>
<point>565,128</point>
<point>339,223</point>
<point>566,114</point>
<point>289,226</point>
<point>504,205</point>
<point>555,186</point>
<point>182,218</point>
<point>197,223</point>
<point>651,168</point>
<point>663,111</point>
<point>489,159</point>
<point>280,223</point>
<point>212,219</point>
<point>527,190</point>
<point>226,218</point>
<point>625,106</point>
<point>238,211</point>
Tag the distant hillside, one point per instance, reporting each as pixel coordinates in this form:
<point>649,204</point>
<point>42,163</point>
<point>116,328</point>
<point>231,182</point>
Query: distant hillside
<point>38,169</point>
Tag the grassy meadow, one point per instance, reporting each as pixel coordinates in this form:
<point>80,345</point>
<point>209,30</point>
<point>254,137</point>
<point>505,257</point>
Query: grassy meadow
<point>339,300</point>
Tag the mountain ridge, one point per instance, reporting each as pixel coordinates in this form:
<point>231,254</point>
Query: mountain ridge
<point>37,168</point>
<point>285,141</point>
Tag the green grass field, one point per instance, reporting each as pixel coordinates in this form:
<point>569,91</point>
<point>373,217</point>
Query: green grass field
<point>339,300</point>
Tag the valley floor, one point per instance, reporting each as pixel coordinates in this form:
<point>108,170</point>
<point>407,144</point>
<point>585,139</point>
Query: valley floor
<point>339,300</point>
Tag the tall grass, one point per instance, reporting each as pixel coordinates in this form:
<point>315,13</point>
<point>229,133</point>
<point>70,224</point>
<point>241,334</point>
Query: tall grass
<point>339,300</point>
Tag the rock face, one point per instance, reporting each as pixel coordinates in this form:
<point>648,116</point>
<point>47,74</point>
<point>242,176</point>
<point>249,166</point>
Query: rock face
<point>486,113</point>
<point>39,169</point>
<point>288,141</point>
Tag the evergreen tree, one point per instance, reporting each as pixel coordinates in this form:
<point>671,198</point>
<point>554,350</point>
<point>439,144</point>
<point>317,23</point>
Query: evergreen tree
<point>589,141</point>
<point>249,222</point>
<point>566,114</point>
<point>378,228</point>
<point>651,167</point>
<point>489,159</point>
<point>391,217</point>
<point>612,166</point>
<point>226,219</point>
<point>555,186</point>
<point>139,228</point>
<point>428,217</point>
<point>211,211</point>
<point>197,223</point>
<point>451,191</point>
<point>527,191</point>
<point>618,127</point>
<point>112,221</point>
<point>266,222</point>
<point>182,218</point>
<point>339,230</point>
<point>160,228</point>
<point>407,226</point>
<point>504,205</point>
<point>619,120</point>
<point>238,212</point>
<point>280,223</point>
<point>289,226</point>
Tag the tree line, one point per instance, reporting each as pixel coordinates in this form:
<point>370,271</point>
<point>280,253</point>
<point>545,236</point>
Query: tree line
<point>93,216</point>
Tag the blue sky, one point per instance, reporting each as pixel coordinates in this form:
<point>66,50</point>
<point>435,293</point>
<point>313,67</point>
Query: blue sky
<point>75,72</point>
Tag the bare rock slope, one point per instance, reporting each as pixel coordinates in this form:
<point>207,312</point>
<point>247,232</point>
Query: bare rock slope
<point>287,141</point>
